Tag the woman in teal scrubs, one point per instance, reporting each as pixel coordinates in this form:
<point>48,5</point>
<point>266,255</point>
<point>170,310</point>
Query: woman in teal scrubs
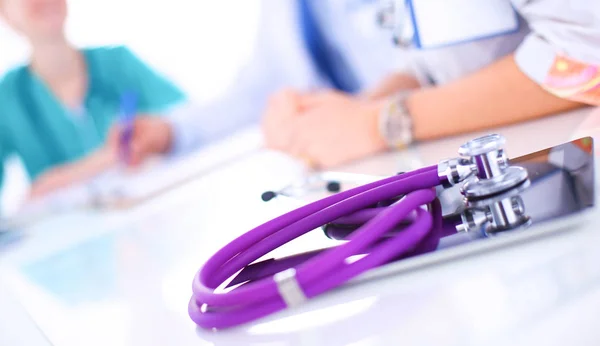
<point>56,112</point>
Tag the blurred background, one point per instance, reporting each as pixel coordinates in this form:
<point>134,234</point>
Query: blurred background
<point>174,37</point>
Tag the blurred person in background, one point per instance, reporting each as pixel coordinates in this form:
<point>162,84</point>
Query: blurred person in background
<point>58,112</point>
<point>302,46</point>
<point>333,89</point>
<point>322,78</point>
<point>551,64</point>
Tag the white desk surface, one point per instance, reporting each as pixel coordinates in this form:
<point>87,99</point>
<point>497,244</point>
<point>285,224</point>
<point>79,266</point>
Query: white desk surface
<point>124,277</point>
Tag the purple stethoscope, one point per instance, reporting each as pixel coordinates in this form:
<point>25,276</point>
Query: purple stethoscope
<point>394,218</point>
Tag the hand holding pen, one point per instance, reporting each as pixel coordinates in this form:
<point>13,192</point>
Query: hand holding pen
<point>140,136</point>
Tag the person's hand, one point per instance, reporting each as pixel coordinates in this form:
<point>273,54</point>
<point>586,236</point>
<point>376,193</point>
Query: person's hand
<point>72,173</point>
<point>151,136</point>
<point>282,108</point>
<point>49,182</point>
<point>331,128</point>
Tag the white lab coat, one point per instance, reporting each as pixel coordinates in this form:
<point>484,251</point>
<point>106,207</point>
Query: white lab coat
<point>548,28</point>
<point>281,61</point>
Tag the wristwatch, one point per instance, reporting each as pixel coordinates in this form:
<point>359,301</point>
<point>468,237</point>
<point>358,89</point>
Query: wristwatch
<point>395,122</point>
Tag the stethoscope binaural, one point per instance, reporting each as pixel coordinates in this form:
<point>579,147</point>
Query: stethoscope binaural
<point>407,199</point>
<point>317,181</point>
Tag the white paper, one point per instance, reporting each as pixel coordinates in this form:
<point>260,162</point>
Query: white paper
<point>117,188</point>
<point>158,176</point>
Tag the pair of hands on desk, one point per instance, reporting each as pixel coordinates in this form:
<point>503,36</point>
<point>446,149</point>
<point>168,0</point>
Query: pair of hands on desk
<point>327,128</point>
<point>151,136</point>
<point>323,129</point>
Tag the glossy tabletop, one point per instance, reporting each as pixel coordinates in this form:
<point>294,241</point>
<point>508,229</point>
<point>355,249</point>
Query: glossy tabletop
<point>123,277</point>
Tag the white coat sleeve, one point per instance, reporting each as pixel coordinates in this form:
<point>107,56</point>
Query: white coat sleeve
<point>280,60</point>
<point>559,29</point>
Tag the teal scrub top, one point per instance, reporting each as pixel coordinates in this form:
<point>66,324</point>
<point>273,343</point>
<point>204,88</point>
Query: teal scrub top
<point>38,128</point>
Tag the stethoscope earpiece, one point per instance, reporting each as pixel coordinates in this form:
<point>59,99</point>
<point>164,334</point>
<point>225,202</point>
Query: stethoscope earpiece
<point>334,186</point>
<point>268,195</point>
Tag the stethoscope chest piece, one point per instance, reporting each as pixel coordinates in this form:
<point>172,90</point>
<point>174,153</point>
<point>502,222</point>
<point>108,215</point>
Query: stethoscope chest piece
<point>493,173</point>
<point>510,178</point>
<point>502,212</point>
<point>492,194</point>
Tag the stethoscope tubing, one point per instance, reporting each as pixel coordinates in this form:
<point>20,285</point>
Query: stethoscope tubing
<point>220,266</point>
<point>326,270</point>
<point>266,268</point>
<point>271,302</point>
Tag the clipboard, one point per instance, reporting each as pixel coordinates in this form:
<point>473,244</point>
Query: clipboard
<point>122,191</point>
<point>115,190</point>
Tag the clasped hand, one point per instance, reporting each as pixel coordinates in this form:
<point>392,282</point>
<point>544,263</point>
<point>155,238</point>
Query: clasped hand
<point>323,129</point>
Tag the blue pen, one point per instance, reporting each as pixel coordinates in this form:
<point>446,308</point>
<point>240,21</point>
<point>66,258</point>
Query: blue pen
<point>127,120</point>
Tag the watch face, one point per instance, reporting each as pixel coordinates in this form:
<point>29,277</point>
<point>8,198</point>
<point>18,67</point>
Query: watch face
<point>398,125</point>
